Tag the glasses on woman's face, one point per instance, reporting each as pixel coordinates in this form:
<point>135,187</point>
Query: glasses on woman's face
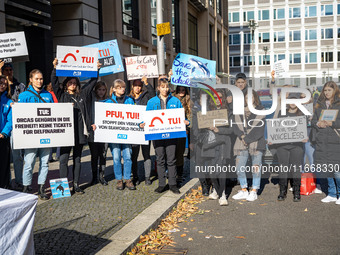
<point>163,79</point>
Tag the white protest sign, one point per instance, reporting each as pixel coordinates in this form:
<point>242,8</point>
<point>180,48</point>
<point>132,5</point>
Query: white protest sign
<point>77,61</point>
<point>137,67</point>
<point>164,124</point>
<point>13,47</point>
<point>287,130</point>
<point>281,68</point>
<point>42,125</point>
<point>119,123</point>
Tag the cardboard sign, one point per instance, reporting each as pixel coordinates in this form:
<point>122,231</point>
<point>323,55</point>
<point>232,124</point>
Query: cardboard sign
<point>137,67</point>
<point>119,123</point>
<point>191,71</point>
<point>287,130</point>
<point>109,57</point>
<point>164,124</point>
<point>281,68</point>
<point>42,125</point>
<point>329,115</point>
<point>163,29</point>
<point>60,188</point>
<point>13,47</point>
<point>215,118</point>
<point>77,61</point>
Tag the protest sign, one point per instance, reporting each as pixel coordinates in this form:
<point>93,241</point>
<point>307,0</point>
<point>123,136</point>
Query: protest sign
<point>137,67</point>
<point>164,124</point>
<point>109,57</point>
<point>329,115</point>
<point>13,47</point>
<point>42,125</point>
<point>119,123</point>
<point>60,188</point>
<point>281,68</point>
<point>287,130</point>
<point>215,118</point>
<point>163,28</point>
<point>189,71</point>
<point>77,61</point>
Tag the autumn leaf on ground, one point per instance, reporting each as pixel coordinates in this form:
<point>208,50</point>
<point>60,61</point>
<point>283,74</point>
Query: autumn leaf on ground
<point>264,204</point>
<point>252,213</point>
<point>217,237</point>
<point>240,203</point>
<point>190,239</point>
<point>208,237</point>
<point>306,210</point>
<point>240,237</point>
<point>201,232</point>
<point>207,211</point>
<point>183,235</point>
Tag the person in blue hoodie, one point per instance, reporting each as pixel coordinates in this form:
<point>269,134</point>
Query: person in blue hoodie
<point>117,96</point>
<point>5,132</point>
<point>36,94</point>
<point>165,149</point>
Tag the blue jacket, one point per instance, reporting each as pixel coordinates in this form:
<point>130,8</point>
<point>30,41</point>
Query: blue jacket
<point>5,115</point>
<point>171,103</point>
<point>113,99</point>
<point>29,97</point>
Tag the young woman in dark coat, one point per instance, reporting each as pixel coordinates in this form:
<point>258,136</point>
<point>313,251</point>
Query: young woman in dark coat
<point>70,91</point>
<point>326,136</point>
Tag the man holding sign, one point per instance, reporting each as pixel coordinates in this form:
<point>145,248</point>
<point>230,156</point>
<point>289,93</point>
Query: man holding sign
<point>165,148</point>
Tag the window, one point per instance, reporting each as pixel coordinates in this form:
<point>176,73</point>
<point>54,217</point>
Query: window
<point>295,35</point>
<point>264,15</point>
<point>326,56</point>
<point>264,59</point>
<point>234,39</point>
<point>130,18</point>
<point>338,56</point>
<point>294,12</point>
<point>326,33</point>
<point>279,13</point>
<point>338,8</point>
<point>264,37</point>
<point>234,17</point>
<point>278,57</point>
<point>310,34</point>
<point>211,41</point>
<point>279,36</point>
<point>235,61</point>
<point>154,22</point>
<point>295,58</point>
<point>338,32</point>
<point>192,37</point>
<point>248,15</point>
<point>247,38</point>
<point>175,26</point>
<point>247,61</point>
<point>310,57</point>
<point>218,6</point>
<point>310,11</point>
<point>326,10</point>
<point>311,80</point>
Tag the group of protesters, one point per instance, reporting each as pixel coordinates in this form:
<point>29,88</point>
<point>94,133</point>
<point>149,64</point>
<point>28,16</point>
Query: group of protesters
<point>222,145</point>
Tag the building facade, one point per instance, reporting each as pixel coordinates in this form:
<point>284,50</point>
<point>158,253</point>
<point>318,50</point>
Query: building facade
<point>199,27</point>
<point>304,34</point>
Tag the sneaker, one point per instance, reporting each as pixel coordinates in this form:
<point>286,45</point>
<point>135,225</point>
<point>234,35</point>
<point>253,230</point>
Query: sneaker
<point>241,195</point>
<point>223,201</point>
<point>213,195</point>
<point>338,201</point>
<point>252,196</point>
<point>318,189</point>
<point>329,199</point>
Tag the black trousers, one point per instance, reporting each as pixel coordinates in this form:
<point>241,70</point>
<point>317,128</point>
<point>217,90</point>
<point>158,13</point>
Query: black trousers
<point>291,157</point>
<point>166,154</point>
<point>5,159</point>
<point>98,153</point>
<point>64,155</point>
<point>146,157</point>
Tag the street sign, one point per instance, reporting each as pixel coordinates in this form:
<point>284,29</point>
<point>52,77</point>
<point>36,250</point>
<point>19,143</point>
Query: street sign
<point>163,28</point>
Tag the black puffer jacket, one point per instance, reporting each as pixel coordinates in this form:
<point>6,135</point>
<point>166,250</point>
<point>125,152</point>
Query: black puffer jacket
<point>326,140</point>
<point>80,108</point>
<point>145,96</point>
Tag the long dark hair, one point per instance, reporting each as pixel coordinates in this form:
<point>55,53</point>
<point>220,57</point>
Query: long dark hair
<point>184,100</point>
<point>8,89</point>
<point>67,79</point>
<point>257,101</point>
<point>322,98</point>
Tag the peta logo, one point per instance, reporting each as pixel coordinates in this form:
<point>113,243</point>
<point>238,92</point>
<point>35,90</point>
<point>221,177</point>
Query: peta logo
<point>122,136</point>
<point>45,141</point>
<point>167,135</point>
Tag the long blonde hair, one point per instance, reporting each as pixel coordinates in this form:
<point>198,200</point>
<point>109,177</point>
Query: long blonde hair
<point>116,84</point>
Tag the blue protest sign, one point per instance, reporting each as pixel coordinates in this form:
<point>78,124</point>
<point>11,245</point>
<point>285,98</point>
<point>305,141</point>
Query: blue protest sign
<point>187,68</point>
<point>109,57</point>
<point>60,188</point>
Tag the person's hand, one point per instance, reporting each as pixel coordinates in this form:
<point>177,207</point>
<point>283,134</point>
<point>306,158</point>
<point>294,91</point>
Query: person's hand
<point>191,146</point>
<point>142,125</point>
<point>321,124</point>
<point>328,123</point>
<point>145,80</point>
<point>186,122</point>
<point>305,140</point>
<point>99,65</point>
<point>11,104</point>
<point>170,73</point>
<point>94,127</point>
<point>1,65</point>
<point>270,143</point>
<point>55,63</point>
<point>215,129</point>
<point>2,136</point>
<point>273,75</point>
<point>229,99</point>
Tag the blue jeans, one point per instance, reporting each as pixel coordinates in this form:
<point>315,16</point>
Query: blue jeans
<point>29,159</point>
<point>241,162</point>
<point>18,163</point>
<point>116,150</point>
<point>334,186</point>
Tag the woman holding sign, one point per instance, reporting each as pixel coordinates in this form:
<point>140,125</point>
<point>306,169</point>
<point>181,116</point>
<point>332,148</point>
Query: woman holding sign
<point>69,91</point>
<point>141,97</point>
<point>5,132</point>
<point>326,136</point>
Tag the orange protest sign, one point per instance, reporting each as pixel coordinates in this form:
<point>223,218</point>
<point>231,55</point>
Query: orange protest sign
<point>163,28</point>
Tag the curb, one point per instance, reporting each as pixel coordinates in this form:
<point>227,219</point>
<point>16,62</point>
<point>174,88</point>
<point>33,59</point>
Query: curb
<point>127,237</point>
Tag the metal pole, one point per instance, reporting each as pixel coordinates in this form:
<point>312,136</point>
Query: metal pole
<point>328,62</point>
<point>265,48</point>
<point>252,57</point>
<point>160,39</point>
